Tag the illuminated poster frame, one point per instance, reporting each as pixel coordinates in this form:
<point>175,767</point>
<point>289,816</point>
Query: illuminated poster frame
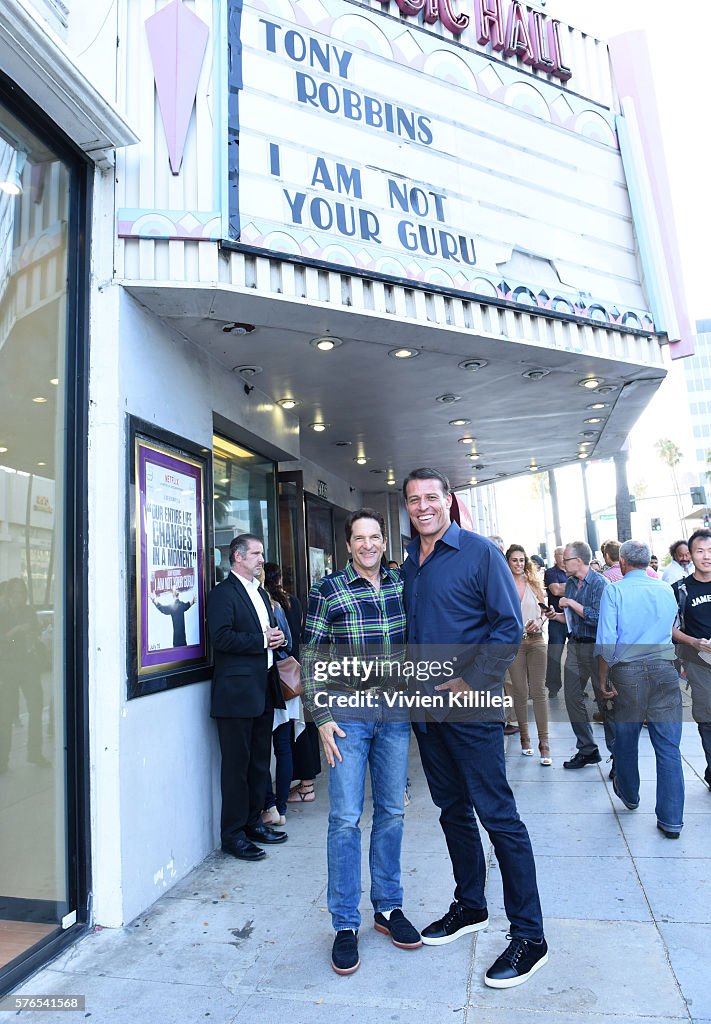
<point>169,483</point>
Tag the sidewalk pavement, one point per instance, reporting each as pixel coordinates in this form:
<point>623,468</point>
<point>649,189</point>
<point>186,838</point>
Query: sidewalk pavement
<point>626,910</point>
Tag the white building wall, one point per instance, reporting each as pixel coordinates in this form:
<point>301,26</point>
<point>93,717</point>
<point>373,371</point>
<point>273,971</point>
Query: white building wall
<point>155,789</point>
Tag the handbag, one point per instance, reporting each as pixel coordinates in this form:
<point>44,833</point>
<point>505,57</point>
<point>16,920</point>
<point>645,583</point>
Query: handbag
<point>290,677</point>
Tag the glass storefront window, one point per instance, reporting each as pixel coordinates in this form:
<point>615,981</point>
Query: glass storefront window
<point>34,239</point>
<point>245,500</point>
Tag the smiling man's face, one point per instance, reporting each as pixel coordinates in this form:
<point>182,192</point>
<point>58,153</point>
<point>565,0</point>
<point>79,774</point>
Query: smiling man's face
<point>428,507</point>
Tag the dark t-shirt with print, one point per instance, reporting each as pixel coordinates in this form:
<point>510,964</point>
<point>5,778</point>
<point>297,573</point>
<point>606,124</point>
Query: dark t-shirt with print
<point>697,615</point>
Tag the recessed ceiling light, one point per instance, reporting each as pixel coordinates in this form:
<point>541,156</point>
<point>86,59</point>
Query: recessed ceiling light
<point>538,373</point>
<point>583,455</point>
<point>55,381</point>
<point>235,328</point>
<point>473,364</point>
<point>605,389</point>
<point>247,371</point>
<point>39,399</point>
<point>459,423</point>
<point>325,343</point>
<point>360,459</point>
<point>288,403</point>
<point>391,481</point>
<point>533,468</point>
<point>467,439</point>
<point>225,480</point>
<point>403,353</point>
<point>472,480</point>
<point>588,433</point>
<point>598,405</point>
<point>590,382</point>
<point>319,427</point>
<point>343,444</point>
<point>475,455</point>
<point>594,419</point>
<point>377,470</point>
<point>448,398</point>
<point>41,463</point>
<point>3,449</point>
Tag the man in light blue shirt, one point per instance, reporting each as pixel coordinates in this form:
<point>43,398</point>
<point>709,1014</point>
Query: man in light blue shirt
<point>636,669</point>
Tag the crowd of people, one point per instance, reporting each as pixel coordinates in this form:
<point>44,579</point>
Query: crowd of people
<point>461,600</point>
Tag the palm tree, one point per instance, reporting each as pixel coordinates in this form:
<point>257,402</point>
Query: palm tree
<point>671,455</point>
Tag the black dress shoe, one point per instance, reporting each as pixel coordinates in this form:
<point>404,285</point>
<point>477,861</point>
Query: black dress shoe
<point>243,849</point>
<point>583,760</point>
<point>260,833</point>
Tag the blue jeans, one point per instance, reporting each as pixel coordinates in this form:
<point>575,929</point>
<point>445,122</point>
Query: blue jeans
<point>384,746</point>
<point>465,768</point>
<point>649,691</point>
<point>281,741</point>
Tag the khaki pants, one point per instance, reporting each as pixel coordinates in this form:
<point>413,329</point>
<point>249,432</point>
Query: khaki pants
<point>528,675</point>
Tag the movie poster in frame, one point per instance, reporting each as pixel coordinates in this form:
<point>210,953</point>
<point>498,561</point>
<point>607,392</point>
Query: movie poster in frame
<point>168,575</point>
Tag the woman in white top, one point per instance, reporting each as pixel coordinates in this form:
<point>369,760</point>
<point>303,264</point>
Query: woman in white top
<point>528,671</point>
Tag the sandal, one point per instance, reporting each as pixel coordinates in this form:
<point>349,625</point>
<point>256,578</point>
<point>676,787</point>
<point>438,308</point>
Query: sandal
<point>301,794</point>
<point>526,749</point>
<point>545,752</point>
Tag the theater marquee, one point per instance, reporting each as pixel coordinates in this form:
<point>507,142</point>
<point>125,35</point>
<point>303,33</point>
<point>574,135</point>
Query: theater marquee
<point>374,144</point>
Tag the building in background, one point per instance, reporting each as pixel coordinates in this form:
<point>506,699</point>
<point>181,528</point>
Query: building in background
<point>697,374</point>
<point>261,264</point>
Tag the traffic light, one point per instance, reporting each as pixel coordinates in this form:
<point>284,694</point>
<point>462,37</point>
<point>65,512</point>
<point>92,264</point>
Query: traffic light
<point>656,525</point>
<point>698,496</point>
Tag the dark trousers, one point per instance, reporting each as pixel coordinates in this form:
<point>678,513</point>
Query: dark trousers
<point>580,665</point>
<point>282,739</point>
<point>465,769</point>
<point>557,633</point>
<point>699,678</point>
<point>306,753</point>
<point>245,744</point>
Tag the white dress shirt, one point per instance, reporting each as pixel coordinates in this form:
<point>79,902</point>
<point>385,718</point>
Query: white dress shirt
<point>252,588</point>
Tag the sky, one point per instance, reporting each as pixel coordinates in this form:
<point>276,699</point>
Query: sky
<point>683,90</point>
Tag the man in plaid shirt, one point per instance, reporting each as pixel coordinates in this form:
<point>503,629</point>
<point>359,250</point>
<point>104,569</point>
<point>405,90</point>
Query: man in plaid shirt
<point>356,617</point>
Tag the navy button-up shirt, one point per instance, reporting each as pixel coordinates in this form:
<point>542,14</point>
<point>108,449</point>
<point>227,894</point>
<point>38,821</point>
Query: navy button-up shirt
<point>463,594</point>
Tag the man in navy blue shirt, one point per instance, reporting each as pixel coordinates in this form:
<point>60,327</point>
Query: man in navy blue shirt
<point>459,591</point>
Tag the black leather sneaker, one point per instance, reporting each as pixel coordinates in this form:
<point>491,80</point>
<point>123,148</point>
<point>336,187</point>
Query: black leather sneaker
<point>459,920</point>
<point>583,760</point>
<point>520,959</point>
<point>344,955</point>
<point>667,833</point>
<point>402,934</point>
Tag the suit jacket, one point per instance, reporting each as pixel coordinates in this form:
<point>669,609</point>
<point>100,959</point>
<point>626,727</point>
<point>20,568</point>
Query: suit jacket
<point>241,677</point>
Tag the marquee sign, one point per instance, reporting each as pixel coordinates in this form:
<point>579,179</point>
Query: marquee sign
<point>519,32</point>
<point>367,143</point>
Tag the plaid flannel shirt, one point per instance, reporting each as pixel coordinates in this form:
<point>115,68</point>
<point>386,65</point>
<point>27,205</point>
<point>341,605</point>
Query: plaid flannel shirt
<point>347,617</point>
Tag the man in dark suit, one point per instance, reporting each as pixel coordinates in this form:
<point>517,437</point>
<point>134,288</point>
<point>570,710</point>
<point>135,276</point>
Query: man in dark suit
<point>245,691</point>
